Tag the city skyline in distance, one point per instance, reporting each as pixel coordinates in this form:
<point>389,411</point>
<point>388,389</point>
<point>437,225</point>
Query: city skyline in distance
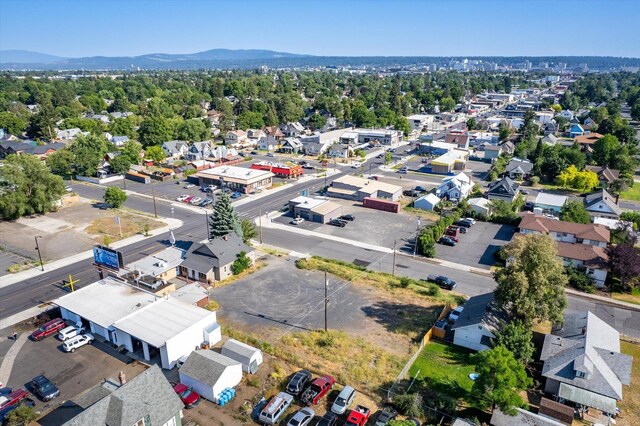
<point>324,28</point>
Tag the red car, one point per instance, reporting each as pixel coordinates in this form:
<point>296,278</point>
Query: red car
<point>318,388</point>
<point>13,398</point>
<point>187,395</point>
<point>188,199</point>
<point>358,416</point>
<point>49,328</point>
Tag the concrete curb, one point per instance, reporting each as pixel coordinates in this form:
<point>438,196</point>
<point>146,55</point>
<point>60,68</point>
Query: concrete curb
<point>31,273</point>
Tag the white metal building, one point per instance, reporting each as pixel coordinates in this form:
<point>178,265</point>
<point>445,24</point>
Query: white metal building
<point>250,357</point>
<point>209,373</point>
<point>139,321</point>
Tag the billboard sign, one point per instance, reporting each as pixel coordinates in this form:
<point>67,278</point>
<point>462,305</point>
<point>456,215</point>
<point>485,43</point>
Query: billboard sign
<point>109,258</point>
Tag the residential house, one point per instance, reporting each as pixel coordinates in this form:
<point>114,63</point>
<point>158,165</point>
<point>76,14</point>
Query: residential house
<point>69,134</point>
<point>255,134</point>
<point>602,204</point>
<point>550,140</point>
<point>491,152</point>
<point>508,147</point>
<point>459,139</point>
<point>117,114</point>
<point>119,141</point>
<point>147,399</point>
<point>100,117</point>
<point>587,140</point>
<point>315,148</point>
<point>274,131</point>
<point>426,202</point>
<point>550,128</point>
<point>566,114</point>
<point>291,146</point>
<point>175,149</point>
<point>549,203</point>
<point>209,373</point>
<point>290,129</point>
<point>576,130</point>
<point>455,187</point>
<point>8,147</point>
<point>268,143</point>
<point>481,206</point>
<point>236,138</point>
<point>582,362</point>
<point>518,169</point>
<point>589,122</point>
<point>214,117</point>
<point>606,176</point>
<point>478,138</point>
<point>582,245</point>
<point>478,323</point>
<point>199,151</point>
<point>521,417</point>
<point>212,261</point>
<point>339,150</point>
<point>419,121</point>
<point>504,189</point>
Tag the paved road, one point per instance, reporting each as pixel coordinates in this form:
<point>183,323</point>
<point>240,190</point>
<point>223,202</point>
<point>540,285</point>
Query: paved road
<point>24,295</point>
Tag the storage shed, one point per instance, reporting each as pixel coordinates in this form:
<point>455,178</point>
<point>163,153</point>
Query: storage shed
<point>209,373</point>
<point>248,356</point>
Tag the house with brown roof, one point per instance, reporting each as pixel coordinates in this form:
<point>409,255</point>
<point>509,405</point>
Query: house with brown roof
<point>236,138</point>
<point>586,141</point>
<point>461,140</point>
<point>582,245</point>
<point>274,131</point>
<point>606,176</point>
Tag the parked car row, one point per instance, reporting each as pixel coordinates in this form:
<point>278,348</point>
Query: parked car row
<point>451,236</point>
<point>196,201</point>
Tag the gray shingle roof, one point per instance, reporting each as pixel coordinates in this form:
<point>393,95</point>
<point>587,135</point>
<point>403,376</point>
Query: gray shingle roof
<point>206,366</point>
<point>518,165</point>
<point>239,348</point>
<point>504,186</point>
<point>587,344</point>
<point>601,196</point>
<point>522,418</point>
<point>147,395</point>
<point>480,309</point>
<point>214,254</point>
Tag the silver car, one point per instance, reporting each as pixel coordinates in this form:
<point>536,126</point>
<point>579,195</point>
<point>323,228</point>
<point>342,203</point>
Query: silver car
<point>302,417</point>
<point>344,400</point>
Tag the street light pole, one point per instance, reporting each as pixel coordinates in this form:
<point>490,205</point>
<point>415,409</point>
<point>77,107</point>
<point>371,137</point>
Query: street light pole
<point>326,288</point>
<point>155,210</point>
<point>38,250</point>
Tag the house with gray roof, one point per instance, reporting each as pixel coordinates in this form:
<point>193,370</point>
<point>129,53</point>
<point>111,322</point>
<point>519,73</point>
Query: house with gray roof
<point>175,149</point>
<point>521,417</point>
<point>518,168</point>
<point>582,362</point>
<point>478,323</point>
<point>504,189</point>
<point>199,151</point>
<point>602,204</point>
<point>209,373</point>
<point>147,399</point>
<point>212,261</point>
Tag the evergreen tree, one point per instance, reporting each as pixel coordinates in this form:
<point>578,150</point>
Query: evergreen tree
<point>224,219</point>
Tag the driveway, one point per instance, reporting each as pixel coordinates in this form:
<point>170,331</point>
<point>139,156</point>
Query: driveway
<point>478,245</point>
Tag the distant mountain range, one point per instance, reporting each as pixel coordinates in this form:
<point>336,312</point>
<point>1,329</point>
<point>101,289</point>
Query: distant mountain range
<point>253,58</point>
<point>24,59</point>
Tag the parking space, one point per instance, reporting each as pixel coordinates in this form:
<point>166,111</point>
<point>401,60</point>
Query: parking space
<point>73,373</point>
<point>478,245</point>
<point>370,226</point>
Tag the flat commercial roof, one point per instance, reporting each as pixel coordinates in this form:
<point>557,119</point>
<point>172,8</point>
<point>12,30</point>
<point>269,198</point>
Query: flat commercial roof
<point>162,320</point>
<point>326,207</point>
<point>307,202</point>
<point>105,302</point>
<point>235,174</point>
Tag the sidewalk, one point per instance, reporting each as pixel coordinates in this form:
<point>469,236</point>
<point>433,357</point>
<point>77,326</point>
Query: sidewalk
<point>10,358</point>
<point>30,273</point>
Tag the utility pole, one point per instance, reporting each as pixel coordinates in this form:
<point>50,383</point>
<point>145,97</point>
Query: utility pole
<point>260,221</point>
<point>206,216</point>
<point>38,250</point>
<point>326,287</point>
<point>155,210</point>
<point>393,267</point>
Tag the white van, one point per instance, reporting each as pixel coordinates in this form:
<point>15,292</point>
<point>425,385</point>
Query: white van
<point>344,400</point>
<point>69,332</point>
<point>76,342</point>
<point>275,408</point>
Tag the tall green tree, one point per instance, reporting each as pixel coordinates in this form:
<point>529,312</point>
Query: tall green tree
<point>27,186</point>
<point>120,164</point>
<point>131,150</point>
<point>224,219</point>
<point>89,151</point>
<point>501,378</point>
<point>532,284</point>
<point>155,153</point>
<point>250,120</point>
<point>155,131</point>
<point>517,337</point>
<point>62,162</point>
<point>248,230</point>
<point>193,130</point>
<point>115,197</point>
<point>12,123</point>
<point>574,211</point>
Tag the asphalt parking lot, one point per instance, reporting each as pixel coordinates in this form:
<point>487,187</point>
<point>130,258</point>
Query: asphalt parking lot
<point>73,373</point>
<point>370,226</point>
<point>477,246</point>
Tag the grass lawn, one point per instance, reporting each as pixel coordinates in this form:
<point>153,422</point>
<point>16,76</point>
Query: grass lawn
<point>633,297</point>
<point>444,369</point>
<point>631,193</point>
<point>630,405</point>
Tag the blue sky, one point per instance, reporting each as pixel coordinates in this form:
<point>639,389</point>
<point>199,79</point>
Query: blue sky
<point>75,28</point>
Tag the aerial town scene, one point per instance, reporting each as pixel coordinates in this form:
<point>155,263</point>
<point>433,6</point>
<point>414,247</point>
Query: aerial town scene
<point>322,212</point>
